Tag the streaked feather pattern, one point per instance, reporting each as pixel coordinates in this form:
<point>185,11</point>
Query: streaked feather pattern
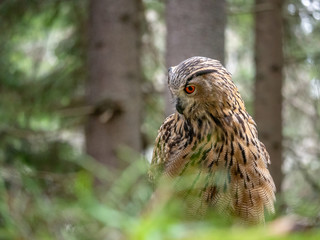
<point>213,144</point>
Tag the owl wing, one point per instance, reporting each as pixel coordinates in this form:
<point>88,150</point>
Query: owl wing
<point>161,148</point>
<point>244,186</point>
<point>170,145</point>
<point>161,154</point>
<point>253,184</point>
<point>252,124</point>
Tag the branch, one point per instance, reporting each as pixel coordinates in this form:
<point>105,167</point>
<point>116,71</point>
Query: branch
<point>255,9</point>
<point>313,183</point>
<point>105,110</point>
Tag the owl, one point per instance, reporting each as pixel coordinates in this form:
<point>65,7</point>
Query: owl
<point>209,150</point>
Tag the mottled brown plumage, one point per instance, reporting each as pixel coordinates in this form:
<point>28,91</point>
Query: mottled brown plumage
<point>209,148</point>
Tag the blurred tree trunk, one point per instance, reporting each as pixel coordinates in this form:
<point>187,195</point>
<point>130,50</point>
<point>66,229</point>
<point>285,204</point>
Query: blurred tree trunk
<point>114,77</point>
<point>194,28</point>
<point>268,82</point>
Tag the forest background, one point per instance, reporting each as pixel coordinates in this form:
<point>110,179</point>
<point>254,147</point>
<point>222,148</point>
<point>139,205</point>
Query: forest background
<point>83,93</point>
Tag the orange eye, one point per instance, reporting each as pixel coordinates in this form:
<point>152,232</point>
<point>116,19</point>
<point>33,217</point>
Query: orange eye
<point>190,89</point>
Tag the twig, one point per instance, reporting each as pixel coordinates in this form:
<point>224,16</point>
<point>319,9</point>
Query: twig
<point>258,8</point>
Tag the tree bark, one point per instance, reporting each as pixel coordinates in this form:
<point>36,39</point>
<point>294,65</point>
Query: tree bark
<point>114,77</point>
<point>194,28</point>
<point>268,81</point>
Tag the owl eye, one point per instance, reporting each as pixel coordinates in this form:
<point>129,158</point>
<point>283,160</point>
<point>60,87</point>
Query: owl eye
<point>190,89</point>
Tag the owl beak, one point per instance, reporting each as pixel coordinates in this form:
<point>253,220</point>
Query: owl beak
<point>179,106</point>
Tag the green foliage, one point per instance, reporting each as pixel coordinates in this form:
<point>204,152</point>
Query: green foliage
<point>75,206</point>
<point>301,21</point>
<point>41,64</point>
<point>51,190</point>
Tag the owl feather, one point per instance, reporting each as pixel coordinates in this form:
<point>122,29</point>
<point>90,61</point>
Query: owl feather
<point>209,148</point>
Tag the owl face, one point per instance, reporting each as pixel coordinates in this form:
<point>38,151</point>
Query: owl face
<point>197,84</point>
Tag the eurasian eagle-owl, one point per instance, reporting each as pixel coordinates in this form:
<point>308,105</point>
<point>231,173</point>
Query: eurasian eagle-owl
<point>212,143</point>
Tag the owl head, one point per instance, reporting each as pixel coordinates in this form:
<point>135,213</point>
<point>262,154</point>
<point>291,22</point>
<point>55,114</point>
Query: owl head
<point>200,85</point>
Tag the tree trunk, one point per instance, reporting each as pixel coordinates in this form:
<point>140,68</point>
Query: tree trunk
<point>268,82</point>
<point>114,77</point>
<point>194,28</point>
